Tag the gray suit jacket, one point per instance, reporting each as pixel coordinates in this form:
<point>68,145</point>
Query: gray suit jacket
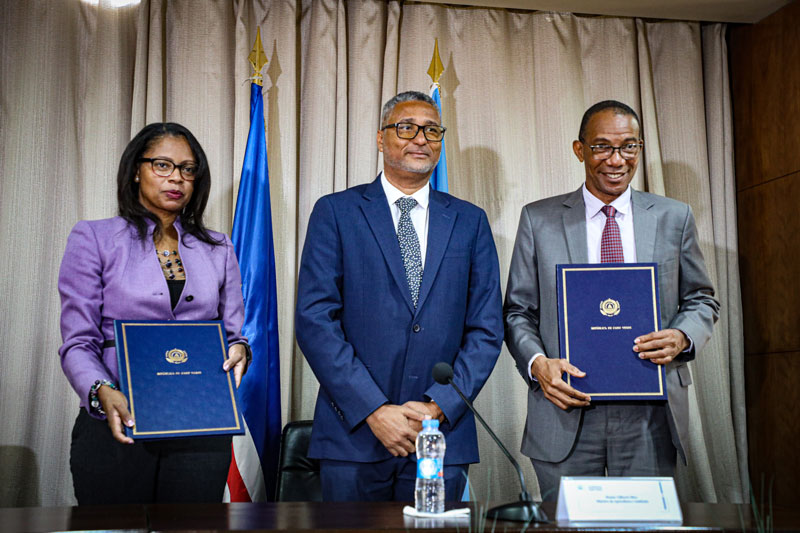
<point>553,231</point>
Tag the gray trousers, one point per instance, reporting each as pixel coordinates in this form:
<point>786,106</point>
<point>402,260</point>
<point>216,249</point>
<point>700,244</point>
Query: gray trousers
<point>614,439</point>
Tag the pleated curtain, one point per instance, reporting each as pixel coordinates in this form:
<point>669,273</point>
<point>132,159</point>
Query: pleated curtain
<point>79,78</point>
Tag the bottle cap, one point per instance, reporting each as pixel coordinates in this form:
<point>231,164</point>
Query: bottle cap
<point>430,423</point>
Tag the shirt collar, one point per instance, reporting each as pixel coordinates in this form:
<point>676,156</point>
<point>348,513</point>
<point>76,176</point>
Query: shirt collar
<point>593,204</point>
<point>393,193</point>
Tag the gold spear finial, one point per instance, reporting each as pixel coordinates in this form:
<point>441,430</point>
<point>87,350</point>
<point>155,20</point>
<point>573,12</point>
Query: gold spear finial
<point>258,59</point>
<point>436,68</point>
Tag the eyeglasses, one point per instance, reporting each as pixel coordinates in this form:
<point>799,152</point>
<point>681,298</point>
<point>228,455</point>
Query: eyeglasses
<point>165,168</point>
<point>605,151</point>
<point>409,130</point>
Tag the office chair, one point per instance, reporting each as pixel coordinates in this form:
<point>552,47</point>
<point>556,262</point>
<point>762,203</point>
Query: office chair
<point>298,476</point>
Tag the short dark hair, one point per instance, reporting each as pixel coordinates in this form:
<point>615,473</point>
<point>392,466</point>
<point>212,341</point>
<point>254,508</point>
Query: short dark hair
<point>408,96</point>
<point>128,190</point>
<point>618,107</point>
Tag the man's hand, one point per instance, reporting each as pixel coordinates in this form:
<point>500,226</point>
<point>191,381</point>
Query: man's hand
<point>427,408</point>
<point>548,372</point>
<point>116,407</point>
<point>392,425</point>
<point>661,347</point>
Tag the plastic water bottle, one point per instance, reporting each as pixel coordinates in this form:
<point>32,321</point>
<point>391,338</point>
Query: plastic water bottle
<point>429,493</point>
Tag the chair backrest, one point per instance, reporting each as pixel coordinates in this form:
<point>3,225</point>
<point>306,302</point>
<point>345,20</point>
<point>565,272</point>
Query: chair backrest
<point>298,476</point>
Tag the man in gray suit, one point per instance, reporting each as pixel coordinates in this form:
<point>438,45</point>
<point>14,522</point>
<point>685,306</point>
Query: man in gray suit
<point>567,433</point>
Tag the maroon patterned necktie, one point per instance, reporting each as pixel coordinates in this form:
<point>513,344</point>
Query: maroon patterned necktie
<point>611,242</point>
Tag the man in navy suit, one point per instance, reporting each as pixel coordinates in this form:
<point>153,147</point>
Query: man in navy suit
<point>394,278</point>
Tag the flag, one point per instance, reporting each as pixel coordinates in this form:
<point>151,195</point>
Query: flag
<point>254,463</point>
<point>439,176</point>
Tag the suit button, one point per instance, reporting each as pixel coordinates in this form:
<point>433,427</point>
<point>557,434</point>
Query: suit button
<point>189,298</point>
<point>416,328</point>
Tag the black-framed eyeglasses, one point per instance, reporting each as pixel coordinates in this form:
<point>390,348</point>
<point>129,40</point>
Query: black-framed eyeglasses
<point>605,151</point>
<point>409,130</point>
<point>165,167</point>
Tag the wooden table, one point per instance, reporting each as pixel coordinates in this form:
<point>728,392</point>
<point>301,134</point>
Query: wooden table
<point>340,517</point>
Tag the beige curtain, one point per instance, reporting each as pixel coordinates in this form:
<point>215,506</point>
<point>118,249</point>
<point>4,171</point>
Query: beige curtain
<point>79,78</point>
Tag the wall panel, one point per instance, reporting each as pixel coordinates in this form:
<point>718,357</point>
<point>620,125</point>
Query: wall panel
<point>765,87</point>
<point>765,84</point>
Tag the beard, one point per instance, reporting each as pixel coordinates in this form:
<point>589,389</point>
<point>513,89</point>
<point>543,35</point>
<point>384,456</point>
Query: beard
<point>402,164</point>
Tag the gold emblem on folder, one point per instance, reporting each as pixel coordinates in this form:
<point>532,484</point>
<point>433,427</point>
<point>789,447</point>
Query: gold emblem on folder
<point>176,356</point>
<point>609,307</point>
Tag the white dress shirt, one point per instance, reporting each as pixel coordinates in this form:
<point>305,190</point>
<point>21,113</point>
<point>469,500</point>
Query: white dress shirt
<point>596,222</point>
<point>419,214</point>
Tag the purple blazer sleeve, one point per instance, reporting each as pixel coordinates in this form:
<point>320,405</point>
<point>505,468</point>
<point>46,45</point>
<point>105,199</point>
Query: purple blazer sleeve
<point>80,281</point>
<point>231,304</point>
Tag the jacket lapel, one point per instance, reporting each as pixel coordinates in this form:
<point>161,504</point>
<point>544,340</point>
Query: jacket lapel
<point>155,274</point>
<point>191,254</point>
<point>441,220</point>
<point>379,218</point>
<point>645,225</point>
<point>574,219</point>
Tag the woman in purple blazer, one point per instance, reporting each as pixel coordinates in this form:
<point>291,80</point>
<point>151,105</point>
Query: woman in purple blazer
<point>155,261</point>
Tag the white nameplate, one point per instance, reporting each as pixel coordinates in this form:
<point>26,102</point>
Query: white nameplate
<point>613,500</point>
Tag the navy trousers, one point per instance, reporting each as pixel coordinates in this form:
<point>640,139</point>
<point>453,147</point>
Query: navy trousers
<point>389,480</point>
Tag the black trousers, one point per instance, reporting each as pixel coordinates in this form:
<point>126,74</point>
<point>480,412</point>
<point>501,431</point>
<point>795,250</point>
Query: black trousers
<point>104,471</point>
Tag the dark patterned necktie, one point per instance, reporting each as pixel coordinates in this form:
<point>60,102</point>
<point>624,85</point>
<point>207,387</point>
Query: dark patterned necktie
<point>611,242</point>
<point>409,246</point>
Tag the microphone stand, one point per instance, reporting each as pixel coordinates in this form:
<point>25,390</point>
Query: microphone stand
<point>525,510</point>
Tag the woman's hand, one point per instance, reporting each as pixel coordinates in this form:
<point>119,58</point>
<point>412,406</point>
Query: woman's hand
<point>116,407</point>
<point>237,359</point>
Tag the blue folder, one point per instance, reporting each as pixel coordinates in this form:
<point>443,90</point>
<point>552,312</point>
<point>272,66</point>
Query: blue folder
<point>171,373</point>
<point>602,308</point>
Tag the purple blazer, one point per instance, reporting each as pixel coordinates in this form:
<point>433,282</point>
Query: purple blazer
<point>108,273</point>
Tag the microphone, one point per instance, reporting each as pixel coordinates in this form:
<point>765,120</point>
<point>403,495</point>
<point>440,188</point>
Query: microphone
<point>525,510</point>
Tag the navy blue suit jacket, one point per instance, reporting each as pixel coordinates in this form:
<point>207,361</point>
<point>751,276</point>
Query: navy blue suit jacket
<point>362,337</point>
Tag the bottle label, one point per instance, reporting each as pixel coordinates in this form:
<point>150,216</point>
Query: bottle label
<point>429,468</point>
